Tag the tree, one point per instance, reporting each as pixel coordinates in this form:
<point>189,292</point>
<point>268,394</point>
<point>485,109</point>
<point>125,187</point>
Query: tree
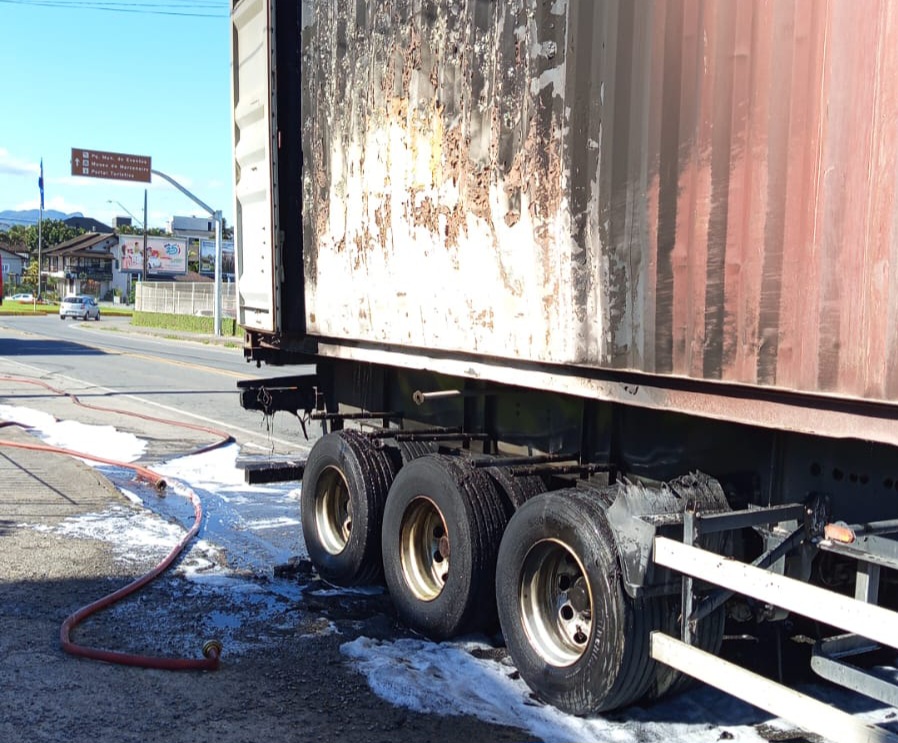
<point>55,231</point>
<point>29,275</point>
<point>17,237</point>
<point>52,232</point>
<point>130,229</point>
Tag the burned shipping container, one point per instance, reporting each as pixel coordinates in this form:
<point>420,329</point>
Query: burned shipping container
<point>532,248</point>
<point>686,190</point>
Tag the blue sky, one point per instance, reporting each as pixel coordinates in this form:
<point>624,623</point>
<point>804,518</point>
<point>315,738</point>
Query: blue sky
<point>148,81</point>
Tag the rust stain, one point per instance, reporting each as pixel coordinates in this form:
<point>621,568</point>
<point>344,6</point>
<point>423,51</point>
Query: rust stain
<point>485,318</point>
<point>752,212</point>
<point>411,60</point>
<point>537,171</point>
<point>398,108</point>
<point>437,133</point>
<point>383,220</point>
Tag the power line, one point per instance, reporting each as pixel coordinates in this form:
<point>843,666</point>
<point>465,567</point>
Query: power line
<point>144,8</point>
<point>126,4</point>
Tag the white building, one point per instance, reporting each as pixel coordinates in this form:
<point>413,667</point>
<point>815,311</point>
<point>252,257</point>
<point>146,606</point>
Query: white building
<point>192,226</point>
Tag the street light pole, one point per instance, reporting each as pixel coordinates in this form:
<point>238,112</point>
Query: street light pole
<point>144,275</point>
<point>216,304</point>
<point>126,210</point>
<point>143,226</point>
<point>216,215</point>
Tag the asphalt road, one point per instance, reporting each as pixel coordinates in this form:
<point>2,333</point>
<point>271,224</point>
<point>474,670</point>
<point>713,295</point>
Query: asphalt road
<point>195,381</point>
<point>69,537</point>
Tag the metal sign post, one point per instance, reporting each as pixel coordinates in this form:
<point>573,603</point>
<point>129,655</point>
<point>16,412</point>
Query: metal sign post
<point>216,215</point>
<point>119,166</point>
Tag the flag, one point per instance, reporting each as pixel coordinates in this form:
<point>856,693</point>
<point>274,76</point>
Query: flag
<point>40,184</point>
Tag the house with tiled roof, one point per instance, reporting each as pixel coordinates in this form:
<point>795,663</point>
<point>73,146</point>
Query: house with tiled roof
<point>13,267</point>
<point>86,264</point>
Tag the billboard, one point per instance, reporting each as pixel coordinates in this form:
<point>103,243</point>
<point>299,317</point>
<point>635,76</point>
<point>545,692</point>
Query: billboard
<point>207,256</point>
<point>166,255</point>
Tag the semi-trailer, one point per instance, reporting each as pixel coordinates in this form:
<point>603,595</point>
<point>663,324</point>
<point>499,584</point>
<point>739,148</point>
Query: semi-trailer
<point>596,307</point>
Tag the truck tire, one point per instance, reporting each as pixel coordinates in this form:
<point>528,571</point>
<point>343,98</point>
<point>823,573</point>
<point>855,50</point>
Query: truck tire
<point>577,638</point>
<point>708,637</point>
<point>411,450</point>
<point>517,489</point>
<point>344,489</point>
<point>441,511</point>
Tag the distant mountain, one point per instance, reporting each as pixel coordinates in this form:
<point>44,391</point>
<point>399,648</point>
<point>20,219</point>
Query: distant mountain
<point>26,217</point>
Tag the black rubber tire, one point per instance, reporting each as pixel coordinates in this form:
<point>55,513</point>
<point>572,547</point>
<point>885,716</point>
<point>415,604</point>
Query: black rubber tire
<point>437,497</point>
<point>708,637</point>
<point>411,450</point>
<point>344,490</point>
<point>577,638</point>
<point>517,489</point>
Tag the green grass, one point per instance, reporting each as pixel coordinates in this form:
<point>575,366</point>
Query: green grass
<point>27,308</point>
<point>117,311</point>
<point>162,321</point>
<point>185,323</point>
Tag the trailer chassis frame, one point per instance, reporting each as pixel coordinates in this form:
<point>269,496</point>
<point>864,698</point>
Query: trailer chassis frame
<point>867,625</point>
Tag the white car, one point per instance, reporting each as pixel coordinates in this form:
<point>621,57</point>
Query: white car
<point>28,297</point>
<point>82,307</point>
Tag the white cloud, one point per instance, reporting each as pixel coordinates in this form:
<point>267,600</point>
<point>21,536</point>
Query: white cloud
<point>58,203</point>
<point>12,165</point>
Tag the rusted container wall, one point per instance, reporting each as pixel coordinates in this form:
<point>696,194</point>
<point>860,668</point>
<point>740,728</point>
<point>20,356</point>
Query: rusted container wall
<point>695,188</point>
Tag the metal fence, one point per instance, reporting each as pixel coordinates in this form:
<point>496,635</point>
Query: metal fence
<point>182,298</point>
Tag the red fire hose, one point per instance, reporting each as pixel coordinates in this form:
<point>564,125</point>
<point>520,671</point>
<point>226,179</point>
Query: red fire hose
<point>211,648</point>
<point>157,481</point>
<point>225,437</point>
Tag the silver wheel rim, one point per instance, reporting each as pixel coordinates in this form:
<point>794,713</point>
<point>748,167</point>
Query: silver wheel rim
<point>556,603</point>
<point>424,549</point>
<point>333,510</point>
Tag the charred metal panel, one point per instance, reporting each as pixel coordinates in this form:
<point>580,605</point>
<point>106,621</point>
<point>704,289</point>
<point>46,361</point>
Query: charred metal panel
<point>696,188</point>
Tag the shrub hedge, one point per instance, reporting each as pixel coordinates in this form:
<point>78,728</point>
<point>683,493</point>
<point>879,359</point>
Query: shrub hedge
<point>188,323</point>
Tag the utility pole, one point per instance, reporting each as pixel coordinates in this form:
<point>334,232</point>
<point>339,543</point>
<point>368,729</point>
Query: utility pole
<point>40,243</point>
<point>143,226</point>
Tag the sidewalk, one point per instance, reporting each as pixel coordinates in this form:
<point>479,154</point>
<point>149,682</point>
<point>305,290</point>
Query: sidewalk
<point>42,489</point>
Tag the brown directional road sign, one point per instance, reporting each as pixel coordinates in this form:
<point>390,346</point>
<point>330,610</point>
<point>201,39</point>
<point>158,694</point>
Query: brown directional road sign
<point>115,165</point>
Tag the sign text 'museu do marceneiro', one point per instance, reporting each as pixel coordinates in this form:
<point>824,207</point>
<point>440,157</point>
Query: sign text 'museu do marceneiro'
<point>115,165</point>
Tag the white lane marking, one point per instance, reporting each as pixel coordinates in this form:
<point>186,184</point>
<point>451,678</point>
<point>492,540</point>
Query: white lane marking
<point>120,393</point>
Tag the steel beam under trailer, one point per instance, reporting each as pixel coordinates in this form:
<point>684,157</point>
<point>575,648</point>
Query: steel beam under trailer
<point>808,713</point>
<point>860,618</point>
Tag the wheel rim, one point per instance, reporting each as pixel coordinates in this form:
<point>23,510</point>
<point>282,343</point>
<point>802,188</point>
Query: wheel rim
<point>333,510</point>
<point>556,603</point>
<point>424,549</point>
